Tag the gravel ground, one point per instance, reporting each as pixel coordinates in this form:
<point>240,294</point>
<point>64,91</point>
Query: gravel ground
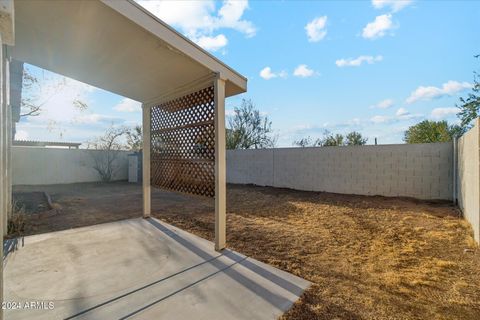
<point>367,257</point>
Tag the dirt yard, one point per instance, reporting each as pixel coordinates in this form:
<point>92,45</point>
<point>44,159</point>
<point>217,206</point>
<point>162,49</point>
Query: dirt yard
<point>368,257</point>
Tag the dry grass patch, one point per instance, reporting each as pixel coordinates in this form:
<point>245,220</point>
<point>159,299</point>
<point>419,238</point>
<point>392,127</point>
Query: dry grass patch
<point>367,257</point>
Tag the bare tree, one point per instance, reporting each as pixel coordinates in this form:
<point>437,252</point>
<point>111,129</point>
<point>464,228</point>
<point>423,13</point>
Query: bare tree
<point>109,146</point>
<point>248,128</point>
<point>134,138</point>
<point>304,142</point>
<point>31,104</point>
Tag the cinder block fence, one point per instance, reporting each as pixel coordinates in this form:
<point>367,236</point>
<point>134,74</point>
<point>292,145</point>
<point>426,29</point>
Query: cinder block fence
<point>468,178</point>
<point>443,171</point>
<point>423,171</point>
<point>448,171</point>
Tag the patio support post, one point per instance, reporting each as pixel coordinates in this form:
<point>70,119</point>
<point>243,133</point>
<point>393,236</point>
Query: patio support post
<point>220,165</point>
<point>4,146</point>
<point>9,136</point>
<point>3,151</point>
<point>6,38</point>
<point>146,136</point>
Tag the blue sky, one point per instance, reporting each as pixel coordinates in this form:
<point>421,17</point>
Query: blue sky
<point>376,67</point>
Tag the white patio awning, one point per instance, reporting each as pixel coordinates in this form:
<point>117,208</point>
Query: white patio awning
<point>115,45</point>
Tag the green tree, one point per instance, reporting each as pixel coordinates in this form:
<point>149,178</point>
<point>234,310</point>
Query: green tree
<point>332,140</point>
<point>247,128</point>
<point>432,131</point>
<point>355,138</point>
<point>470,105</point>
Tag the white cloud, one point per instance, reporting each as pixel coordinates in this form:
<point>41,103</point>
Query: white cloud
<point>384,104</point>
<point>400,115</point>
<point>267,74</point>
<point>402,112</point>
<point>350,62</point>
<point>427,93</point>
<point>128,105</point>
<point>62,117</point>
<point>303,71</point>
<point>380,119</point>
<point>93,118</point>
<point>316,29</point>
<point>230,16</point>
<point>452,87</point>
<point>379,27</point>
<point>57,96</point>
<point>212,43</point>
<point>188,16</point>
<point>442,113</point>
<point>394,5</point>
<point>199,20</point>
<point>355,121</point>
<point>21,135</point>
<point>387,127</point>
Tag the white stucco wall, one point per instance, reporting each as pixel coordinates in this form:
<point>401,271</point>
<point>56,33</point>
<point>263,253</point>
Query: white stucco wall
<point>33,166</point>
<point>469,177</point>
<point>423,171</point>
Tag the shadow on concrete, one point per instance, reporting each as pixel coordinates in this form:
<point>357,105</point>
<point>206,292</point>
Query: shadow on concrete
<point>207,258</point>
<point>11,245</point>
<point>291,287</point>
<point>141,288</point>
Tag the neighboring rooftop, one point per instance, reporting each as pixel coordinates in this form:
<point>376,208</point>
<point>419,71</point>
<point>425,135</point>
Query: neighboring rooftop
<point>31,143</point>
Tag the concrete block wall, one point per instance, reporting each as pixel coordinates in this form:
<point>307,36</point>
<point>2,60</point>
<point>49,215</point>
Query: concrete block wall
<point>468,181</point>
<point>34,166</point>
<point>423,171</point>
<point>250,166</point>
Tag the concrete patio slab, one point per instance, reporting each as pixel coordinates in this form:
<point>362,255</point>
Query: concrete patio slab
<point>139,269</point>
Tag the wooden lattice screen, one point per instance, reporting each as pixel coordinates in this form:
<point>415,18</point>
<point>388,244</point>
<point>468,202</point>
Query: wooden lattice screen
<point>183,144</point>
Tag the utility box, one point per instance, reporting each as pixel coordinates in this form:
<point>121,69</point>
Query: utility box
<point>135,167</point>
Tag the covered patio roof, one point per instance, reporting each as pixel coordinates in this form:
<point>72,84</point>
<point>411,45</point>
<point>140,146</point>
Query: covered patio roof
<point>118,46</point>
<point>114,45</point>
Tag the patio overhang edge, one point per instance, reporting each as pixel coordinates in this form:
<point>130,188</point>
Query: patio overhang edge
<point>149,59</point>
<point>235,82</point>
